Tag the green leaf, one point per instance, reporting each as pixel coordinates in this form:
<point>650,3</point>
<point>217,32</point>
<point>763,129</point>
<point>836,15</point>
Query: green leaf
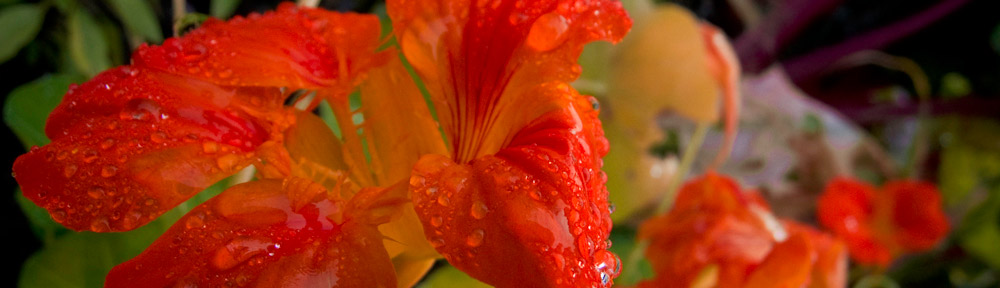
<point>29,105</point>
<point>980,230</point>
<point>86,44</point>
<point>84,259</point>
<point>222,9</point>
<point>449,276</point>
<point>138,18</point>
<point>19,24</point>
<point>957,173</point>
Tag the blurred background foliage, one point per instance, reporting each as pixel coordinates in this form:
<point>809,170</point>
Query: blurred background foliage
<point>873,89</point>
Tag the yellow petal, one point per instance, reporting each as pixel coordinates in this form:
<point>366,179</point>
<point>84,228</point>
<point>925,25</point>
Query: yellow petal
<point>663,65</point>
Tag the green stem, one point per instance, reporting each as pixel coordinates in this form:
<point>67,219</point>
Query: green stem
<point>687,159</point>
<point>630,275</point>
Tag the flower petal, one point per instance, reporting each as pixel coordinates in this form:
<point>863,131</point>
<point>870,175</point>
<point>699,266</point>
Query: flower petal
<point>400,129</point>
<point>539,201</point>
<point>251,235</point>
<point>712,223</point>
<point>919,221</point>
<point>847,208</point>
<point>482,60</point>
<point>788,265</point>
<point>293,46</point>
<point>133,143</point>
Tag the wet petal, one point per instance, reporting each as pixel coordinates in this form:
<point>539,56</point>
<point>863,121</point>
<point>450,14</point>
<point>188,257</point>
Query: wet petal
<point>917,215</point>
<point>133,143</point>
<point>251,235</point>
<point>535,203</point>
<point>481,60</point>
<point>294,47</point>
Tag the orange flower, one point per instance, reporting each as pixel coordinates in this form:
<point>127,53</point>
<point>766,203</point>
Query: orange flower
<point>518,189</point>
<point>137,140</point>
<point>879,226</point>
<point>519,198</point>
<point>717,235</point>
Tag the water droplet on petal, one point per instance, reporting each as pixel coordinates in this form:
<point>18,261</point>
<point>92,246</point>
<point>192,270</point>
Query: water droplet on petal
<point>443,200</point>
<point>89,156</point>
<point>158,137</point>
<point>478,210</point>
<point>69,170</point>
<point>436,221</point>
<point>108,171</point>
<point>95,192</point>
<point>100,225</point>
<point>547,32</point>
<point>107,144</point>
<point>59,216</point>
<point>476,238</point>
<point>140,109</point>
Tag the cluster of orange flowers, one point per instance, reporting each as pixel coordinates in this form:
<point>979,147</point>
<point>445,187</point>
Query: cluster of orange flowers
<point>512,187</point>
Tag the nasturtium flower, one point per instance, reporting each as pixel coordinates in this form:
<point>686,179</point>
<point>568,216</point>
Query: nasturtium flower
<point>904,216</point>
<point>519,198</point>
<point>718,235</point>
<point>512,187</point>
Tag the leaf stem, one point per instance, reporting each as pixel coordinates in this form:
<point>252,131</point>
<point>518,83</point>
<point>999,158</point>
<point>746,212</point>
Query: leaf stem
<point>629,276</point>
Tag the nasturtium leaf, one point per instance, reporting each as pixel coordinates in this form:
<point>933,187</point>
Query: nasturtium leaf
<point>29,105</point>
<point>222,9</point>
<point>18,26</point>
<point>87,46</point>
<point>449,276</point>
<point>138,17</point>
<point>84,259</point>
<point>980,231</point>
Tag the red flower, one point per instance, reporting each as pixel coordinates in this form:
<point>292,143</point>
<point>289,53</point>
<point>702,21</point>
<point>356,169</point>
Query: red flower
<point>518,200</point>
<point>717,234</point>
<point>878,226</point>
<point>520,187</point>
<point>137,140</point>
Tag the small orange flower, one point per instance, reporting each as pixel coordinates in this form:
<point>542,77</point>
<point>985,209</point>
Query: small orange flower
<point>720,236</point>
<point>904,217</point>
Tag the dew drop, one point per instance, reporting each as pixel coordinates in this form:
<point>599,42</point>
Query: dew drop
<point>140,109</point>
<point>608,264</point>
<point>437,242</point>
<point>443,200</point>
<point>535,194</point>
<point>62,155</point>
<point>227,162</point>
<point>476,238</point>
<point>107,144</point>
<point>95,192</point>
<point>547,32</point>
<point>195,221</point>
<point>59,216</point>
<point>238,251</point>
<point>89,156</point>
<point>478,210</point>
<point>158,137</point>
<point>100,225</point>
<point>69,170</point>
<point>436,221</point>
<point>108,171</point>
